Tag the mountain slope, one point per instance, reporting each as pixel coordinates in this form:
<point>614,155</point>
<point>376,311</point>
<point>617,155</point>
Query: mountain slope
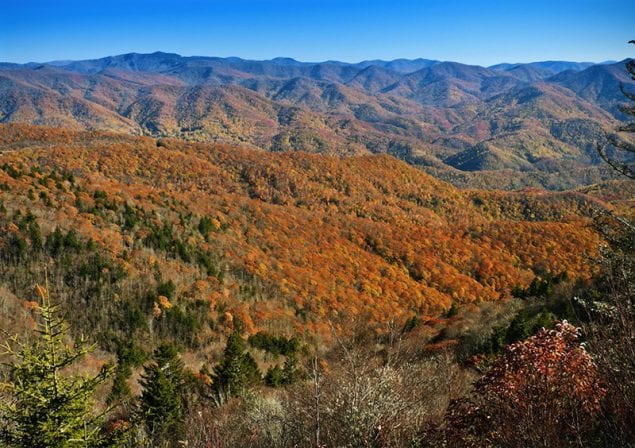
<point>317,237</point>
<point>427,116</point>
<point>599,84</point>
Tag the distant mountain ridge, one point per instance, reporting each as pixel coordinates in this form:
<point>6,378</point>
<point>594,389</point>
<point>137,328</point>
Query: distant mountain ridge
<point>472,125</point>
<point>400,65</point>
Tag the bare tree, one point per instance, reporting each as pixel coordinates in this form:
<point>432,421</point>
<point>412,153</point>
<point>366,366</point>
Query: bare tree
<point>611,318</point>
<point>623,158</point>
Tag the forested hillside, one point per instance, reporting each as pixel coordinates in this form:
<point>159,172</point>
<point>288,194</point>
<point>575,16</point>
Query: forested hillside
<point>527,125</point>
<point>288,240</point>
<point>218,281</point>
<point>268,252</point>
<point>163,291</point>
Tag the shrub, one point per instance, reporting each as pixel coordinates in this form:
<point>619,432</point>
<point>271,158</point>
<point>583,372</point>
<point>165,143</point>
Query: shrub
<point>544,391</point>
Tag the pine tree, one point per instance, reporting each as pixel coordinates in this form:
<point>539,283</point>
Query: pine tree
<point>120,391</point>
<point>273,378</point>
<point>519,328</point>
<point>162,406</point>
<point>236,371</point>
<point>41,406</point>
<point>290,371</point>
<point>37,243</point>
<point>282,376</point>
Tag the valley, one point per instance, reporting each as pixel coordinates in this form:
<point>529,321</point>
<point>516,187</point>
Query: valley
<point>510,127</point>
<point>223,252</point>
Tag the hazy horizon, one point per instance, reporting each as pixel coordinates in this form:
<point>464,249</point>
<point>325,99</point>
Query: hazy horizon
<point>62,61</point>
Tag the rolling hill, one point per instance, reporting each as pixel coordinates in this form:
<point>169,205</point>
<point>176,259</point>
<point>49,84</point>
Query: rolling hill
<point>431,114</point>
<point>288,241</point>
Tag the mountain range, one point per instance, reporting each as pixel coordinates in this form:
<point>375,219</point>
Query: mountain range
<point>507,126</point>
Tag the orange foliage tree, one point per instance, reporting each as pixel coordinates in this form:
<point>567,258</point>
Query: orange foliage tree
<point>544,391</point>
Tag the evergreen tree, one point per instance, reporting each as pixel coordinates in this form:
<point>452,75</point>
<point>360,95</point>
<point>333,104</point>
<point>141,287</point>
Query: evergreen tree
<point>236,371</point>
<point>129,355</point>
<point>120,391</point>
<point>274,377</point>
<point>290,371</point>
<point>282,376</point>
<point>40,405</point>
<point>37,243</point>
<point>519,328</point>
<point>162,407</point>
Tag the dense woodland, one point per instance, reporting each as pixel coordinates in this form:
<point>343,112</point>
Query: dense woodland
<point>283,239</point>
<point>507,127</point>
<point>217,296</point>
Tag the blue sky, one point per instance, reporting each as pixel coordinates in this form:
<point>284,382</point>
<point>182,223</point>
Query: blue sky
<point>475,32</point>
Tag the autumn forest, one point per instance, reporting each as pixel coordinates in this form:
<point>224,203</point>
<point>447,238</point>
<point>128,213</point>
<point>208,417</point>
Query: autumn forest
<point>220,252</point>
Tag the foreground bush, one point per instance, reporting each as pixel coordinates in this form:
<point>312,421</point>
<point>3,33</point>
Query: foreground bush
<point>544,391</point>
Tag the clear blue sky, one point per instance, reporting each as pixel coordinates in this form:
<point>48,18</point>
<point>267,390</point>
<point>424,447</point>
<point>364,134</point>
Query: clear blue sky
<point>476,32</point>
